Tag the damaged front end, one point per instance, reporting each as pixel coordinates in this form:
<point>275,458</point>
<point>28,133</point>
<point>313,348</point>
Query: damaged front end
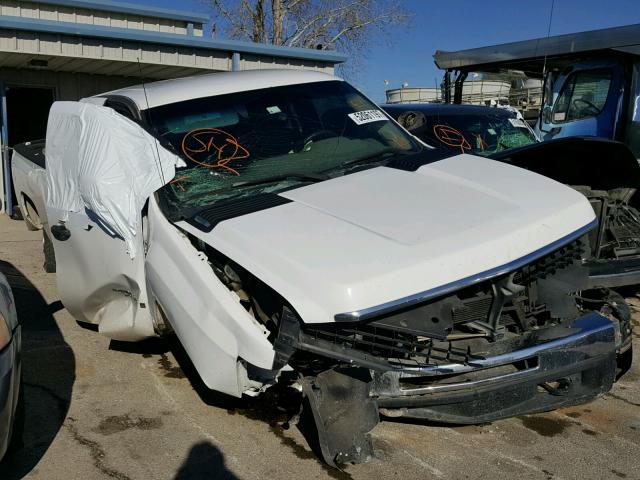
<point>504,322</point>
<point>518,343</point>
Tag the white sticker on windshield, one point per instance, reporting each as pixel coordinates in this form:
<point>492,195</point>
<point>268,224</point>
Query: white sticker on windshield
<point>274,109</point>
<point>516,122</point>
<point>367,116</point>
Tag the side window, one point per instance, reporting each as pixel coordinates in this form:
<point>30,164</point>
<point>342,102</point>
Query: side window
<point>122,109</point>
<point>583,95</point>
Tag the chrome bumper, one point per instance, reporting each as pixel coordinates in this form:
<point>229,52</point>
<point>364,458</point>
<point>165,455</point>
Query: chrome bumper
<point>555,367</point>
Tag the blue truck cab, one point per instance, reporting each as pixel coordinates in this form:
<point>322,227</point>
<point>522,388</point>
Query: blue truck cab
<point>598,98</point>
<point>590,81</point>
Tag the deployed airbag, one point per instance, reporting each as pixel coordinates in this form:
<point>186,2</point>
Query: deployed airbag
<point>102,162</point>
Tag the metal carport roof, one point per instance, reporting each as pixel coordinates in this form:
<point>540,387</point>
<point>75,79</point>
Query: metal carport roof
<point>624,39</point>
<point>158,38</point>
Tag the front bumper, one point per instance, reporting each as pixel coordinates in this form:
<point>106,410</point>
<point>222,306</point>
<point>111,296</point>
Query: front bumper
<point>556,367</point>
<point>537,371</point>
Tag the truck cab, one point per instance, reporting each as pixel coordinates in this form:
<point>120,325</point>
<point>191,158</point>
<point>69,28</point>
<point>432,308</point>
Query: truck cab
<point>585,99</point>
<point>596,98</point>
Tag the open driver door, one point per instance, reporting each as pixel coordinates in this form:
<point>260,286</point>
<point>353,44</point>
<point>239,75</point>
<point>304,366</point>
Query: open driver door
<point>101,169</point>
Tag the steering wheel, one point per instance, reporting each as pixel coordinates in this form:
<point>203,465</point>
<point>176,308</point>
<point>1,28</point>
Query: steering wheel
<point>319,135</point>
<point>589,106</point>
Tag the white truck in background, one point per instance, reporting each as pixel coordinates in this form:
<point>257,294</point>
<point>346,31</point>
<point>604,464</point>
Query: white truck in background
<point>28,174</point>
<point>289,232</point>
<point>29,183</point>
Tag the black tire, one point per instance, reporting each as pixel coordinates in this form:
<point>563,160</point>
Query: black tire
<point>49,254</point>
<point>623,362</point>
<point>17,213</point>
<point>31,215</point>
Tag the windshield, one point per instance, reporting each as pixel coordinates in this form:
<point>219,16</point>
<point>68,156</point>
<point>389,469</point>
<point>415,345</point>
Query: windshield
<point>267,140</point>
<point>484,134</point>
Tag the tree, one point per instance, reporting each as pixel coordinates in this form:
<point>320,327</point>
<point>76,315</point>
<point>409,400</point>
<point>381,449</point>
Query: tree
<point>345,25</point>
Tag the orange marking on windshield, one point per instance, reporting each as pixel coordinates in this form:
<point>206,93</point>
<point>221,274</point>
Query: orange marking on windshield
<point>178,182</point>
<point>480,143</point>
<point>201,144</point>
<point>451,137</point>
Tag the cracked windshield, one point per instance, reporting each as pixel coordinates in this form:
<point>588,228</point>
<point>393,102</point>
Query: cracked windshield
<point>271,139</point>
<point>484,134</point>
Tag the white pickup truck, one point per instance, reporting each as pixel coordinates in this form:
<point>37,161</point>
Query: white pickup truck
<point>290,232</point>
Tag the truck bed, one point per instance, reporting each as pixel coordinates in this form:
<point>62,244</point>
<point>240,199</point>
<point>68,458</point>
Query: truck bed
<point>32,151</point>
<point>28,174</point>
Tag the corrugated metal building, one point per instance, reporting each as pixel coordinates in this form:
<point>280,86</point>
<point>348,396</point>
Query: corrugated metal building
<point>68,49</point>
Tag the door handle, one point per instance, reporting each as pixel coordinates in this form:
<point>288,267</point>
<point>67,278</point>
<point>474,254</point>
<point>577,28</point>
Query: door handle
<point>60,232</point>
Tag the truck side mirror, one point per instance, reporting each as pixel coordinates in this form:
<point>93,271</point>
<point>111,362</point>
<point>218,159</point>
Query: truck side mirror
<point>546,114</point>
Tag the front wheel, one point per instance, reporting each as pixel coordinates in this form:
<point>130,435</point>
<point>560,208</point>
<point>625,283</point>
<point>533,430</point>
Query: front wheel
<point>31,216</point>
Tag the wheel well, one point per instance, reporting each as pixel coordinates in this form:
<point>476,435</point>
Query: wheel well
<point>30,213</point>
<point>28,200</point>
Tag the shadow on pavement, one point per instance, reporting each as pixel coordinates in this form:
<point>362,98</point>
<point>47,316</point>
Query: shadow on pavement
<point>150,346</point>
<point>48,372</point>
<point>210,397</point>
<point>204,461</point>
<point>280,407</point>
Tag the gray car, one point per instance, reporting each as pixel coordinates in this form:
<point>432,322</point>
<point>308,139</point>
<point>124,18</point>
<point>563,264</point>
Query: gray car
<point>10,376</point>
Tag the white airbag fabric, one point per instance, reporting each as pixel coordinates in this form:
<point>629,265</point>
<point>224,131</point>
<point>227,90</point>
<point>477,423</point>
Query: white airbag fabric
<point>103,162</point>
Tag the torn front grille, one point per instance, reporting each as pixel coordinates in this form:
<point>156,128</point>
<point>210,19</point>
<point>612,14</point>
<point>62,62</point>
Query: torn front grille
<point>396,348</point>
<point>552,263</point>
<point>448,329</point>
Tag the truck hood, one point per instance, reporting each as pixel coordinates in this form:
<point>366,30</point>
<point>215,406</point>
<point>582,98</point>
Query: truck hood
<point>376,237</point>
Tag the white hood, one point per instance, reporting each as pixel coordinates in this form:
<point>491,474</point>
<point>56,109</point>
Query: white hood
<point>380,235</point>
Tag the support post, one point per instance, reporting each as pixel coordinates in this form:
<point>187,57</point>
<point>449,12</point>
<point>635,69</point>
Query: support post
<point>5,188</point>
<point>235,62</point>
<point>457,95</point>
<point>447,86</point>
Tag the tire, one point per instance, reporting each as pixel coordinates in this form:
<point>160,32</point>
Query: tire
<point>17,213</point>
<point>31,216</point>
<point>623,362</point>
<point>49,254</point>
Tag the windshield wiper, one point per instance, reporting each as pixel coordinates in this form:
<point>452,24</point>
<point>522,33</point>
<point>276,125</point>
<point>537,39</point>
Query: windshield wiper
<point>311,177</point>
<point>376,159</point>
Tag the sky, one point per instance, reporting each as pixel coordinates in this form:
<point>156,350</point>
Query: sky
<point>407,56</point>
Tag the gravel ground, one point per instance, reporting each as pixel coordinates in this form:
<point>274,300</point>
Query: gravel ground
<point>103,409</point>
